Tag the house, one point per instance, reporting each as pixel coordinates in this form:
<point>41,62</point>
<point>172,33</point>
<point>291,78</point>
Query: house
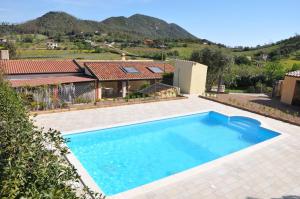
<point>148,42</point>
<point>4,55</point>
<point>3,41</point>
<point>264,57</point>
<point>93,44</point>
<point>63,79</point>
<point>111,45</point>
<point>190,77</point>
<point>88,80</point>
<point>78,81</point>
<point>290,91</point>
<point>162,46</point>
<point>117,78</point>
<point>51,45</point>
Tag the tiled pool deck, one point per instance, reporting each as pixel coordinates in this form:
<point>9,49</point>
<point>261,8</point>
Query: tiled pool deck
<point>267,170</point>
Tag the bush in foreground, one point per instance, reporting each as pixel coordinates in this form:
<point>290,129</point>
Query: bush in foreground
<point>31,160</point>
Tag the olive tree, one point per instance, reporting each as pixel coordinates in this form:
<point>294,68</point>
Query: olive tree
<point>274,71</point>
<point>217,62</point>
<point>11,48</point>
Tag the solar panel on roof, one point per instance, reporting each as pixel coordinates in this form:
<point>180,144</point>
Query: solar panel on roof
<point>155,69</point>
<point>130,69</point>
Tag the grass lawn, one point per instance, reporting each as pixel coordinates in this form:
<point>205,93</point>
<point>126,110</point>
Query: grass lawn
<point>289,62</point>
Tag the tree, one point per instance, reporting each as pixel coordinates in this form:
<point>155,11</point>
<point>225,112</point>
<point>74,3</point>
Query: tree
<point>295,67</point>
<point>12,49</point>
<point>274,71</point>
<point>242,60</point>
<point>217,62</point>
<point>244,76</point>
<point>28,39</point>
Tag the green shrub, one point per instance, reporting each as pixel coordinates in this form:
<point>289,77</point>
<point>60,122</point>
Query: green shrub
<point>134,95</point>
<point>81,100</point>
<point>11,47</point>
<point>99,50</point>
<point>242,60</point>
<point>146,85</point>
<point>295,67</point>
<point>251,89</point>
<point>27,98</point>
<point>168,78</point>
<point>31,160</point>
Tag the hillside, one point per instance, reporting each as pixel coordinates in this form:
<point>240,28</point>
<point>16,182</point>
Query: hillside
<point>281,50</point>
<point>128,34</point>
<point>145,26</point>
<point>134,27</point>
<point>58,23</point>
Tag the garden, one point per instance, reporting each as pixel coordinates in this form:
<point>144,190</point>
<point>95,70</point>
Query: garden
<point>259,103</point>
<point>77,96</point>
<point>32,160</point>
<point>247,79</point>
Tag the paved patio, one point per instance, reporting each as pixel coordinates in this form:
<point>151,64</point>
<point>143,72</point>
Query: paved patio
<point>267,170</point>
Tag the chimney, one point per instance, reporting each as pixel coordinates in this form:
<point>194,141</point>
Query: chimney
<point>123,58</point>
<point>4,55</point>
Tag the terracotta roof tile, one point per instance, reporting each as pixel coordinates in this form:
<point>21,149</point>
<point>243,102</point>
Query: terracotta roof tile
<point>50,81</point>
<point>15,67</point>
<point>294,73</point>
<point>113,70</point>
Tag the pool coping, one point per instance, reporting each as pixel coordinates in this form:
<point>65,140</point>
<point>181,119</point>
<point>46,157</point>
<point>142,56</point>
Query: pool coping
<point>89,182</point>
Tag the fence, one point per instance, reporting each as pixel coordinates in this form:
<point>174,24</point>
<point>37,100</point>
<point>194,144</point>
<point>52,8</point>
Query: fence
<point>57,96</point>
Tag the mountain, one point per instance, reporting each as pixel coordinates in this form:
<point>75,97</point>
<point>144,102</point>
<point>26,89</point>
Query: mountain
<point>58,23</point>
<point>136,26</point>
<point>145,26</point>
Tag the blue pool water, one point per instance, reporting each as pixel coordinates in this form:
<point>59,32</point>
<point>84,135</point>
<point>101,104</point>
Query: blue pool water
<point>125,157</point>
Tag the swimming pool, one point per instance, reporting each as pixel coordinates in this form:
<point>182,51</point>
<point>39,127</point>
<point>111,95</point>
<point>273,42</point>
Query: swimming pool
<point>122,158</point>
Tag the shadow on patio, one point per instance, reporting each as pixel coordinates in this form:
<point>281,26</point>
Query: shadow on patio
<point>274,103</point>
<point>283,197</point>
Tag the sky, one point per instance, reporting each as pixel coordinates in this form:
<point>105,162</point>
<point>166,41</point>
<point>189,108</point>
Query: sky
<point>230,22</point>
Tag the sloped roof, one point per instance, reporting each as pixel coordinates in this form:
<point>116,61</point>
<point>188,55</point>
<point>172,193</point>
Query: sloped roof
<point>18,67</point>
<point>114,70</point>
<point>294,73</point>
<point>50,81</point>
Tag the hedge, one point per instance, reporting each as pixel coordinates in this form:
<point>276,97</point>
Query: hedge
<point>31,159</point>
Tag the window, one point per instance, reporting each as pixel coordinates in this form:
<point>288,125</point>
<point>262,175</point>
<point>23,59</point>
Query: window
<point>155,69</point>
<point>130,69</point>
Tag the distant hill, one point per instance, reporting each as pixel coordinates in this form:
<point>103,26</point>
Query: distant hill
<point>287,48</point>
<point>136,26</point>
<point>145,26</point>
<point>58,23</point>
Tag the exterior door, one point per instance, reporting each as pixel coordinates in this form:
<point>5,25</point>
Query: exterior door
<point>296,98</point>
